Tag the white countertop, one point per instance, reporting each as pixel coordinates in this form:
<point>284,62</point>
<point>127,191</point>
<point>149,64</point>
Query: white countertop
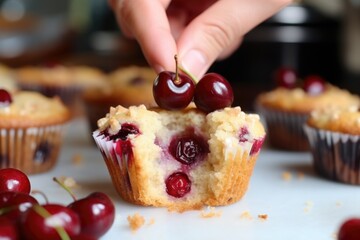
<point>298,204</point>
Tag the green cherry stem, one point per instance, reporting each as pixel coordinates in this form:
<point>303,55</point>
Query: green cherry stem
<point>65,187</point>
<point>45,214</point>
<point>195,80</point>
<point>177,79</point>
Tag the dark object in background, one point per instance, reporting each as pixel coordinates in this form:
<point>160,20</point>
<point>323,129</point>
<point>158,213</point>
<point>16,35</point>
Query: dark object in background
<point>299,37</point>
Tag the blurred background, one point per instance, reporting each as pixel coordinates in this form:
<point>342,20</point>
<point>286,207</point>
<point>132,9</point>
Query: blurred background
<point>314,37</point>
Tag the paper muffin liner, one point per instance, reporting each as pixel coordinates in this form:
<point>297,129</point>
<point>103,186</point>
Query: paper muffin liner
<point>285,129</point>
<point>117,162</point>
<point>336,156</point>
<point>32,150</point>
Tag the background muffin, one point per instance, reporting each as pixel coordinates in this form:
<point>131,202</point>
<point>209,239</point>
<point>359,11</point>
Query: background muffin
<point>285,110</point>
<point>334,137</point>
<point>126,86</point>
<point>66,82</point>
<point>31,128</point>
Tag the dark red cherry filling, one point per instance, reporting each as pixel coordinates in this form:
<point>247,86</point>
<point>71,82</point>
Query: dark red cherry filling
<point>244,137</point>
<point>126,130</point>
<point>188,148</point>
<point>5,98</point>
<point>256,146</point>
<point>178,184</point>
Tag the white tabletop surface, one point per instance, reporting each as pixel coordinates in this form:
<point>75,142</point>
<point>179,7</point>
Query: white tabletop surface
<point>298,203</point>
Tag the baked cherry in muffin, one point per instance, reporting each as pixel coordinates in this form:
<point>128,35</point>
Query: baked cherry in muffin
<point>182,159</point>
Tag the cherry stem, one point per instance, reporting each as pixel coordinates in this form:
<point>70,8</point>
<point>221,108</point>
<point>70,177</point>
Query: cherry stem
<point>7,209</point>
<point>65,187</point>
<point>45,214</point>
<point>41,193</point>
<point>176,69</point>
<point>189,74</point>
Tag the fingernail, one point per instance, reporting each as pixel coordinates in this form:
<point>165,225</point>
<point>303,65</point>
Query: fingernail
<point>158,68</point>
<point>195,62</point>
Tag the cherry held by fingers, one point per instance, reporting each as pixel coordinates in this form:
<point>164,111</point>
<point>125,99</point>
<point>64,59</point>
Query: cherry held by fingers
<point>12,179</point>
<point>213,92</point>
<point>173,91</point>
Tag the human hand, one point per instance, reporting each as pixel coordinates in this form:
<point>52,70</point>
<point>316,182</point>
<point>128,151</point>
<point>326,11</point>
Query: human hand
<point>199,31</point>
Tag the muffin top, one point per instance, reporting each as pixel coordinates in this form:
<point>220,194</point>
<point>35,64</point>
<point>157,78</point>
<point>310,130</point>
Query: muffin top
<point>131,85</point>
<point>297,100</point>
<point>32,109</point>
<point>337,119</point>
<point>7,80</point>
<point>60,76</point>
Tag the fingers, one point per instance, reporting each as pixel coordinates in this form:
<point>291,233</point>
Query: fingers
<point>147,22</point>
<point>219,30</point>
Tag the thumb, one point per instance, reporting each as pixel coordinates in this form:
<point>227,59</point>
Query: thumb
<point>219,30</point>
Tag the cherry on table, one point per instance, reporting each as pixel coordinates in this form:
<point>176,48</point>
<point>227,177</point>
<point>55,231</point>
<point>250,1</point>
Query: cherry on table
<point>14,204</point>
<point>286,77</point>
<point>12,179</point>
<point>350,229</point>
<point>38,226</point>
<point>213,92</point>
<point>8,230</point>
<point>96,213</point>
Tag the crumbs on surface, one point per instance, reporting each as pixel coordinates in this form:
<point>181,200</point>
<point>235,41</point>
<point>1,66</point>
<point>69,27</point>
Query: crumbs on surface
<point>287,176</point>
<point>77,159</point>
<point>210,212</point>
<point>308,206</point>
<point>246,215</point>
<point>136,221</point>
<point>68,182</point>
<point>263,217</point>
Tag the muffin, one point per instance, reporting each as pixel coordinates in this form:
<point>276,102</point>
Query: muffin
<point>67,82</point>
<point>7,80</point>
<point>334,137</point>
<point>31,128</point>
<point>126,86</point>
<point>285,111</point>
<point>181,160</point>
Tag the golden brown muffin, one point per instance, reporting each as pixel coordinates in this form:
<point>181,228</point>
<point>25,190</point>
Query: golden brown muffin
<point>285,111</point>
<point>334,136</point>
<point>67,82</point>
<point>31,128</point>
<point>7,79</point>
<point>126,86</point>
<point>180,159</point>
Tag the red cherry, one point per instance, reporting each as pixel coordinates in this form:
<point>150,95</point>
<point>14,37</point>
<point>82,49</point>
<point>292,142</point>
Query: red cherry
<point>96,212</point>
<point>188,148</point>
<point>178,184</point>
<point>5,98</point>
<point>213,92</point>
<point>314,85</point>
<point>350,230</point>
<point>286,77</point>
<point>36,226</point>
<point>173,91</point>
<point>83,237</point>
<point>14,204</point>
<point>12,179</point>
<point>8,230</point>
